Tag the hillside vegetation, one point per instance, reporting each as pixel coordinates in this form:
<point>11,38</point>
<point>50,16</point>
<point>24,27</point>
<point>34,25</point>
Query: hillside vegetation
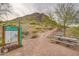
<point>33,23</point>
<point>39,22</point>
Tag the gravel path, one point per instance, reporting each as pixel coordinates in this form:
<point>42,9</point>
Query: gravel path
<point>42,47</point>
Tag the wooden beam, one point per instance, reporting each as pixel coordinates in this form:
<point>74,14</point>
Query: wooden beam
<point>18,33</point>
<point>3,37</point>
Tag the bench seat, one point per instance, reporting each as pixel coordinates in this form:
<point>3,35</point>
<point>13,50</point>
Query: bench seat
<point>66,41</point>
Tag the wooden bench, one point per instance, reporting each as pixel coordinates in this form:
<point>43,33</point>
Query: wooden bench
<point>66,41</point>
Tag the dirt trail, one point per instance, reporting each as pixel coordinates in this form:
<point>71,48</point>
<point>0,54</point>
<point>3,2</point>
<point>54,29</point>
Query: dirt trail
<point>42,46</point>
<point>42,42</point>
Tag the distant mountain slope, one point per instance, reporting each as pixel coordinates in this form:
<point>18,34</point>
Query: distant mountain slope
<point>36,17</point>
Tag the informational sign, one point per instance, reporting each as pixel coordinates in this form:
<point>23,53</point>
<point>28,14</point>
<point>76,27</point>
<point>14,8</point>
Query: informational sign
<point>10,38</point>
<point>11,35</point>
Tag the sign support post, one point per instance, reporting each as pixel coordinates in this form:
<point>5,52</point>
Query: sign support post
<point>18,33</point>
<point>3,37</point>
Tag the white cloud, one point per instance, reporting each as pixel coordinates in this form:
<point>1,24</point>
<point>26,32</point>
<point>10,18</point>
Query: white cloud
<point>19,9</point>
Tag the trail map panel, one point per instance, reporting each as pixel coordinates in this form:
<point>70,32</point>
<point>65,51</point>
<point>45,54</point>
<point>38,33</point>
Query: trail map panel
<point>11,35</point>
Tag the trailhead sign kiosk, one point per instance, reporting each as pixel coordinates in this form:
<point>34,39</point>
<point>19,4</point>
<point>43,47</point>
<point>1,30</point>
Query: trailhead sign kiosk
<point>10,38</point>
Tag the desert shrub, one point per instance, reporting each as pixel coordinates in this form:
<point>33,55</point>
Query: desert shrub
<point>25,33</point>
<point>34,36</point>
<point>33,23</point>
<point>35,31</point>
<point>75,31</point>
<point>49,27</point>
<point>38,28</point>
<point>0,42</point>
<point>48,22</point>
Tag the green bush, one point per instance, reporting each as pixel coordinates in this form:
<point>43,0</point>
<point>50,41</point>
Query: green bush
<point>0,43</point>
<point>33,23</point>
<point>35,31</point>
<point>34,36</point>
<point>26,33</point>
<point>75,31</point>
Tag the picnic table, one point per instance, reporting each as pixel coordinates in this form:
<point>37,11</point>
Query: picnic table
<point>66,41</point>
<point>66,38</point>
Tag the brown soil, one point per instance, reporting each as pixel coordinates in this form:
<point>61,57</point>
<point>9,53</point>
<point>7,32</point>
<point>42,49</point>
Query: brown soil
<point>42,47</point>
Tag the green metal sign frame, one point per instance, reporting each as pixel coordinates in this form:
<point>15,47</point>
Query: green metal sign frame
<point>11,28</point>
<point>14,28</point>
